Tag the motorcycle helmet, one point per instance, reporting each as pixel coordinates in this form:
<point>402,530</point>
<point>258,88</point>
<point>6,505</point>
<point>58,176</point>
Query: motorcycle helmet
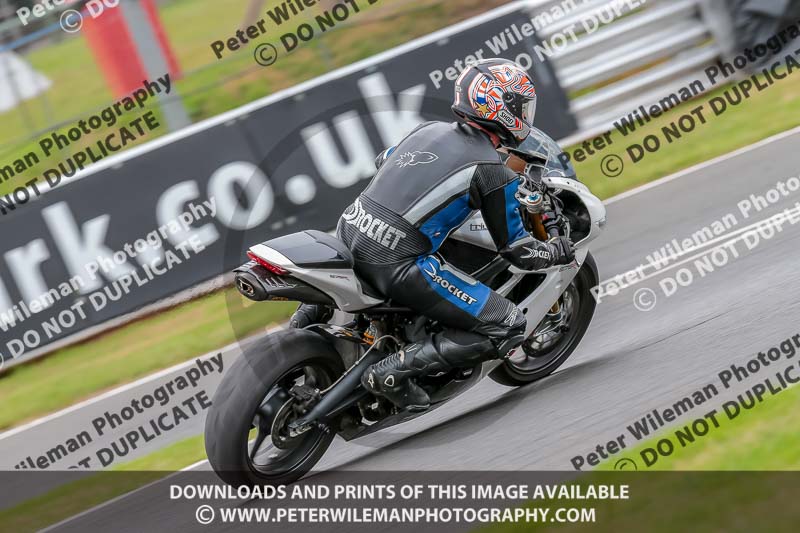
<point>498,95</point>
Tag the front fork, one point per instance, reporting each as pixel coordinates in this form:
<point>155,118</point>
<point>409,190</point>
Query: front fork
<point>539,231</point>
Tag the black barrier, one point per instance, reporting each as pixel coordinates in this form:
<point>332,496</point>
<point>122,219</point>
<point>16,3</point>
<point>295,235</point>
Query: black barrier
<point>292,163</point>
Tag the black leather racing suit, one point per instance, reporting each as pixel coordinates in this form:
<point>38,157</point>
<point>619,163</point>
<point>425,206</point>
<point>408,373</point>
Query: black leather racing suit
<point>426,187</point>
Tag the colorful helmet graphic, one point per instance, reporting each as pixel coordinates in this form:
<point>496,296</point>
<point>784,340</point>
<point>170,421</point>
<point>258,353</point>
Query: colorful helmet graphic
<point>498,95</point>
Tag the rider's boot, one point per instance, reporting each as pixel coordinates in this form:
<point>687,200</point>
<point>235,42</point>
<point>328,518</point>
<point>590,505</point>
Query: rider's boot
<point>393,376</point>
<point>308,314</point>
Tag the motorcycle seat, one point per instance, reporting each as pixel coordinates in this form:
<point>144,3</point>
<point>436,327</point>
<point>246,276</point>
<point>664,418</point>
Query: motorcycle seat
<point>313,249</point>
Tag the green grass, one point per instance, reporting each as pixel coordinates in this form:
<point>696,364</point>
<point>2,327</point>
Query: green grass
<point>123,355</point>
<point>721,482</point>
<point>763,438</point>
<point>170,459</point>
<point>763,115</point>
<point>78,496</point>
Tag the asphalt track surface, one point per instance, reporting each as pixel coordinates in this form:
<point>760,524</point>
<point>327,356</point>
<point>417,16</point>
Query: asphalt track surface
<point>630,362</point>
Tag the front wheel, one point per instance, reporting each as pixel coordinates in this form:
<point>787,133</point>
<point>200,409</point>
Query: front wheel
<point>246,435</point>
<point>556,337</point>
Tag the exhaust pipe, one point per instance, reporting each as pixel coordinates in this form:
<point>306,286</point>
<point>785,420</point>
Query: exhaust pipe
<point>256,283</point>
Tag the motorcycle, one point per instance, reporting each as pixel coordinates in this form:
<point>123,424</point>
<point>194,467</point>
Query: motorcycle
<point>286,397</point>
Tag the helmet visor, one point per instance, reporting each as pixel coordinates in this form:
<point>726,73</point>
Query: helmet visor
<point>529,111</point>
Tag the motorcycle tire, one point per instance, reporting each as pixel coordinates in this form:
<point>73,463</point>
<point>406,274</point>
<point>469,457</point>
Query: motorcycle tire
<point>512,374</point>
<point>241,396</point>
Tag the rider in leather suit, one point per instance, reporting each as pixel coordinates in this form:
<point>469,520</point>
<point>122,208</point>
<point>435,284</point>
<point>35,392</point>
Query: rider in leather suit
<point>425,188</point>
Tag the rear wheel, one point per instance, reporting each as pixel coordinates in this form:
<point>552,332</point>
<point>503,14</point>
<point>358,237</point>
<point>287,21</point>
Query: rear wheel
<point>268,387</point>
<point>556,337</point>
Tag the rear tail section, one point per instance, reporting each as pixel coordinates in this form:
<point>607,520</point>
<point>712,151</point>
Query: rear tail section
<point>310,267</point>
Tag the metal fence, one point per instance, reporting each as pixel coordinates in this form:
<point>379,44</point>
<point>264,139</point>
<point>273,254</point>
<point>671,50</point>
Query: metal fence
<point>645,53</point>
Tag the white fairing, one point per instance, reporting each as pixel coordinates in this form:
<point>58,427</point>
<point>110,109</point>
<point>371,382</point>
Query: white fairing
<point>341,284</point>
<point>597,211</point>
<point>537,304</point>
<point>474,230</point>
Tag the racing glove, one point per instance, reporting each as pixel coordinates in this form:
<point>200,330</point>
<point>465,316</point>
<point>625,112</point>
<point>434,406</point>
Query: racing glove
<point>533,254</point>
<point>563,251</point>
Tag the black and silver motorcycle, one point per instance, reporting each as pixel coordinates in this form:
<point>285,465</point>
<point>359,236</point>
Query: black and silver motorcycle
<point>283,401</point>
